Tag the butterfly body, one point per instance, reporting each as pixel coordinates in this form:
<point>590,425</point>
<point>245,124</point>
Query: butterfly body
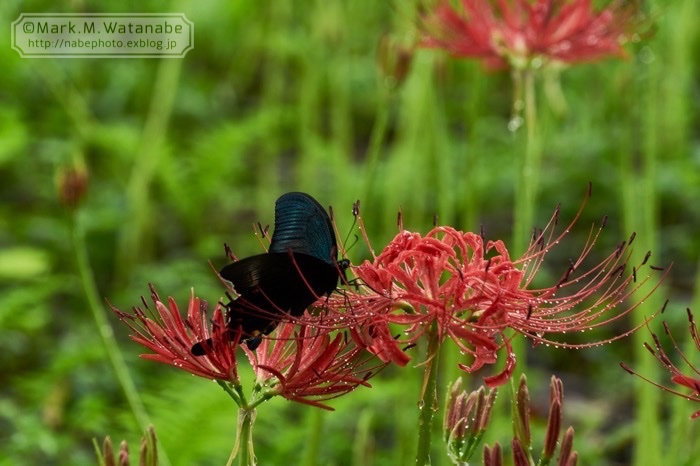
<point>300,266</point>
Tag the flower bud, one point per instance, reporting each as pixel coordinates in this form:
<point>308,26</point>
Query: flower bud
<point>466,418</point>
<point>72,185</point>
<point>148,454</point>
<point>394,60</point>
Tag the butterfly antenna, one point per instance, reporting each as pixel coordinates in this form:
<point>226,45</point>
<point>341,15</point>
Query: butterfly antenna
<point>229,253</point>
<point>355,213</point>
<point>262,233</point>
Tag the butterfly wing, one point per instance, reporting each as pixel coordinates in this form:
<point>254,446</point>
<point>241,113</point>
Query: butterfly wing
<point>303,226</point>
<point>271,285</point>
<point>300,266</point>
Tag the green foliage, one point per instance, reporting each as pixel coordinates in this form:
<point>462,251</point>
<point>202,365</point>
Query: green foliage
<point>184,155</point>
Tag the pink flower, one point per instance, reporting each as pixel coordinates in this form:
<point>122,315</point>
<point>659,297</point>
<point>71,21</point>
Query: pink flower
<point>163,331</point>
<point>472,292</point>
<point>306,364</point>
<point>515,32</point>
<point>691,381</point>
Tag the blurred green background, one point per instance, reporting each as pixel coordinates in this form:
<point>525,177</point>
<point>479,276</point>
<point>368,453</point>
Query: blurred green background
<point>186,154</point>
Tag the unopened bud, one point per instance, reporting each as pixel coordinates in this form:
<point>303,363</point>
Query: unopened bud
<point>556,394</point>
<point>493,456</point>
<point>107,453</point>
<point>466,420</point>
<point>149,450</point>
<point>394,60</point>
<point>521,413</point>
<point>123,454</point>
<point>148,454</point>
<point>72,185</point>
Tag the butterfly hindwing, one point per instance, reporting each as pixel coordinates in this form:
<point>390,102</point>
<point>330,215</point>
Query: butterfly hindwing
<point>281,282</point>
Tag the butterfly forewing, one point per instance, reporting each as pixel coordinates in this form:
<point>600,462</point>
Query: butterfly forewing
<point>303,226</point>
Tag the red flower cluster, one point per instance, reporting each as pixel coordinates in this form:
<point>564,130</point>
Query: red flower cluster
<point>472,292</point>
<point>300,363</point>
<point>514,32</point>
<point>449,282</point>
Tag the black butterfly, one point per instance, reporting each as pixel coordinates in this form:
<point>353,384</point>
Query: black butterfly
<point>300,266</point>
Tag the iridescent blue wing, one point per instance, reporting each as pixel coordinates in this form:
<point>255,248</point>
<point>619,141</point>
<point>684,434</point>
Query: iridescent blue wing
<point>303,226</point>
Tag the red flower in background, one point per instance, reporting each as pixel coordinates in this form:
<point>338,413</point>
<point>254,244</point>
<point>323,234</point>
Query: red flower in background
<point>473,292</point>
<point>514,32</point>
<point>163,331</point>
<point>691,381</point>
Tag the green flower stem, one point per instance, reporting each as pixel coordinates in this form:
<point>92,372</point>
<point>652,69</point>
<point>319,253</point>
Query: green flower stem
<point>132,240</point>
<point>105,330</point>
<point>428,402</point>
<point>528,177</point>
<point>529,165</point>
<point>314,436</point>
<point>235,391</point>
<point>243,447</point>
<point>640,215</point>
<point>244,439</point>
<point>375,143</point>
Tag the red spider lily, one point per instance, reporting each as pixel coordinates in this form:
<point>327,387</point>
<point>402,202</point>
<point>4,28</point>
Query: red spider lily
<point>677,376</point>
<point>473,292</point>
<point>515,32</point>
<point>306,364</point>
<point>163,331</point>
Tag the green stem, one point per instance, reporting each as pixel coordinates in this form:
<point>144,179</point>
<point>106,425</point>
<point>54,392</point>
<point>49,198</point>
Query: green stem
<point>234,391</point>
<point>375,144</point>
<point>313,437</point>
<point>428,402</point>
<point>529,165</point>
<point>528,179</point>
<point>105,330</point>
<point>644,210</point>
<point>639,215</point>
<point>146,159</point>
<point>244,439</point>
